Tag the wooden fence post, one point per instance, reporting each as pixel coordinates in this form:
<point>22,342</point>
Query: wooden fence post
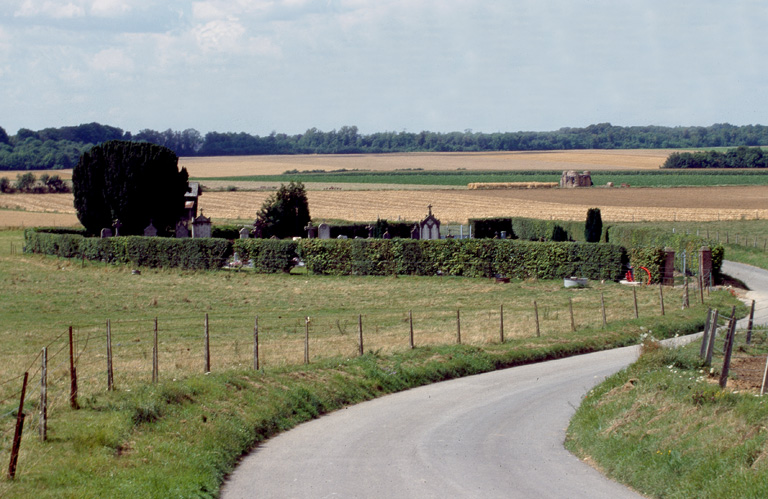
<point>207,345</point>
<point>44,396</point>
<point>501,323</point>
<point>729,340</point>
<point>306,340</point>
<point>410,321</point>
<point>458,326</point>
<point>110,373</point>
<point>570,309</point>
<point>602,306</point>
<point>536,314</point>
<point>712,336</point>
<point>360,332</point>
<point>19,428</point>
<point>256,365</point>
<point>661,298</point>
<point>686,302</point>
<point>749,324</point>
<point>72,374</point>
<point>701,288</point>
<point>155,356</point>
<point>634,296</point>
<point>705,334</point>
<point>765,376</point>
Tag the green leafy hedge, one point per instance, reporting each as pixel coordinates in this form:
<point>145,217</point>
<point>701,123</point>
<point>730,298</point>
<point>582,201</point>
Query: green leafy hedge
<point>268,255</point>
<point>529,229</point>
<point>136,250</point>
<point>467,257</point>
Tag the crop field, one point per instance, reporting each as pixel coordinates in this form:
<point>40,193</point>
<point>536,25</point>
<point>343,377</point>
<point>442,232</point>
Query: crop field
<point>451,206</point>
<point>624,159</point>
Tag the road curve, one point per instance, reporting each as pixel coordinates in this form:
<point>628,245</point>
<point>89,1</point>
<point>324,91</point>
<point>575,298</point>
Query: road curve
<point>498,434</point>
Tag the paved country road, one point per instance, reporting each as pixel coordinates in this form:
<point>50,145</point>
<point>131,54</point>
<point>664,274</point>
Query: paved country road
<point>498,434</point>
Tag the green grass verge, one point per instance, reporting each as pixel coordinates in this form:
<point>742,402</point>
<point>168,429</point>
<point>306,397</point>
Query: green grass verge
<point>664,427</point>
<point>640,178</point>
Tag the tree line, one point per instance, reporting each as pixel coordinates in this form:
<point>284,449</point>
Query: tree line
<point>741,157</point>
<point>55,148</point>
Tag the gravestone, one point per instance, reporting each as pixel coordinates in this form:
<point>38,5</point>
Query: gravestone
<point>311,231</point>
<point>182,232</point>
<point>386,235</point>
<point>105,233</point>
<point>245,233</point>
<point>117,226</point>
<point>342,237</point>
<point>150,230</point>
<point>415,232</point>
<point>201,227</point>
<point>324,231</point>
<point>429,228</point>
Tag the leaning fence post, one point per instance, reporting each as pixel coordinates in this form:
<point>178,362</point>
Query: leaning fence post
<point>207,345</point>
<point>256,343</point>
<point>72,373</point>
<point>729,340</point>
<point>661,299</point>
<point>360,332</point>
<point>765,375</point>
<point>712,336</point>
<point>19,428</point>
<point>110,373</point>
<point>44,396</point>
<point>749,324</point>
<point>705,334</point>
<point>570,309</point>
<point>536,314</point>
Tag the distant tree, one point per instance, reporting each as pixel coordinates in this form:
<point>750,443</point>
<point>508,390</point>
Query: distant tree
<point>134,182</point>
<point>285,213</point>
<point>593,228</point>
<point>5,185</point>
<point>25,182</point>
<point>4,139</point>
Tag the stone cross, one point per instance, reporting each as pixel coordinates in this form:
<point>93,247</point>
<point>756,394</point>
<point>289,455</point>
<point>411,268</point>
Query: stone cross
<point>117,226</point>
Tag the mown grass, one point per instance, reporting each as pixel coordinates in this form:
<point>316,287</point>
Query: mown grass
<point>181,436</point>
<point>640,178</point>
<point>664,427</point>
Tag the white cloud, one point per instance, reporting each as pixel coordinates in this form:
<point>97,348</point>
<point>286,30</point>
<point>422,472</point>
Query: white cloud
<point>112,61</point>
<point>50,8</point>
<point>110,8</point>
<point>222,35</point>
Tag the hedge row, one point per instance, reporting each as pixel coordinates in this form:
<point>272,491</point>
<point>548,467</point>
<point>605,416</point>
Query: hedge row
<point>135,250</point>
<point>467,257</point>
<point>529,229</point>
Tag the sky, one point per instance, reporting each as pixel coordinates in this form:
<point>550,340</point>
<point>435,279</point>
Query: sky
<point>259,66</point>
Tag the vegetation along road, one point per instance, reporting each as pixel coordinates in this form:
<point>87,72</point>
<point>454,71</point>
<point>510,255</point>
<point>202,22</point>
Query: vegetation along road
<point>494,435</point>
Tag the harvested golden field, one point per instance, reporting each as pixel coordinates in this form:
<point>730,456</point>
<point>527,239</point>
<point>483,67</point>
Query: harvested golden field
<point>634,204</point>
<point>624,159</point>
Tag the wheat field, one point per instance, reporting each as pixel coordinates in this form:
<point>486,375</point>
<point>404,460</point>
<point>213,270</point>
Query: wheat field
<point>450,206</point>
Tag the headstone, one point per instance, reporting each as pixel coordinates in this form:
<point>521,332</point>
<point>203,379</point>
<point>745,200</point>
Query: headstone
<point>117,226</point>
<point>503,234</point>
<point>105,233</point>
<point>311,231</point>
<point>182,232</point>
<point>415,232</point>
<point>429,228</point>
<point>201,227</point>
<point>150,230</point>
<point>386,235</point>
<point>324,231</point>
<point>370,230</point>
<point>245,233</point>
<point>342,237</point>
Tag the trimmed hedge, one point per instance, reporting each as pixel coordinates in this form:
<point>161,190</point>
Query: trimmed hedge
<point>467,257</point>
<point>136,250</point>
<point>396,229</point>
<point>529,229</point>
<point>268,255</point>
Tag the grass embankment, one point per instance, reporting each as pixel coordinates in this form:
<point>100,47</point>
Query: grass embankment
<point>664,427</point>
<point>180,437</point>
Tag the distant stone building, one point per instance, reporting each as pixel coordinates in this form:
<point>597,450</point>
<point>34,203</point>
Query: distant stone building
<point>572,178</point>
<point>190,201</point>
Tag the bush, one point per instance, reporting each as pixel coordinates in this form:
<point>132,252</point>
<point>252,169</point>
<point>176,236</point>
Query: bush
<point>593,227</point>
<point>268,255</point>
